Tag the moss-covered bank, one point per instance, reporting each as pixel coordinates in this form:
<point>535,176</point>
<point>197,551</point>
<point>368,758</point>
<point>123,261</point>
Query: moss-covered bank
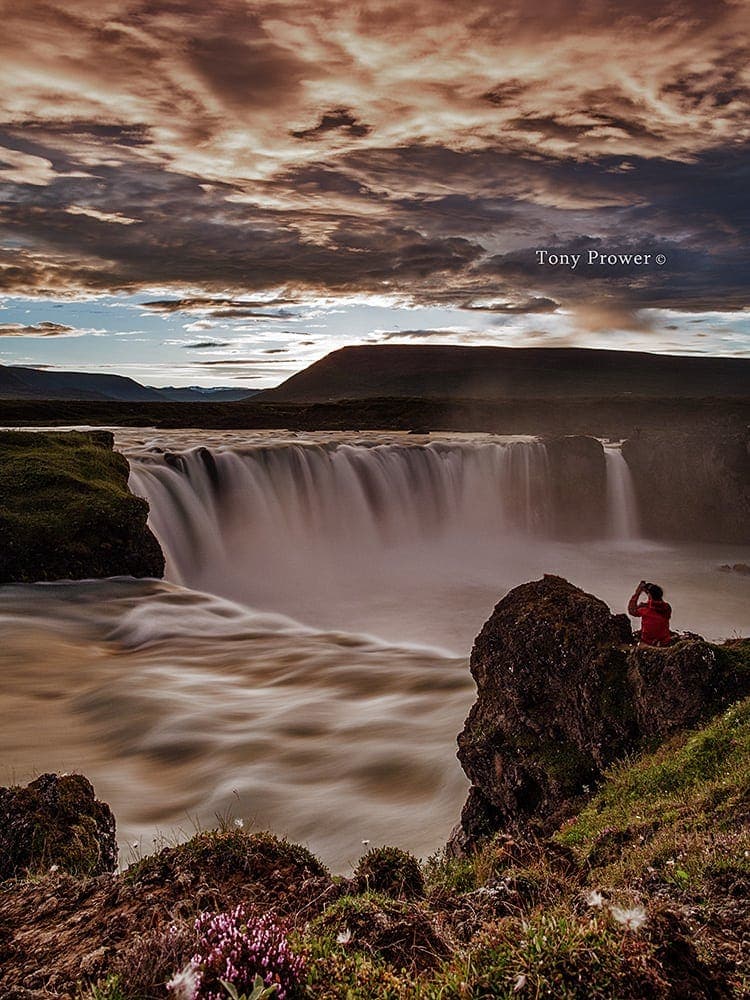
<point>66,511</point>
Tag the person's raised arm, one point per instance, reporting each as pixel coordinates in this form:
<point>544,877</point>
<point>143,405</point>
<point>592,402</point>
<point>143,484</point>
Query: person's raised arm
<point>633,602</point>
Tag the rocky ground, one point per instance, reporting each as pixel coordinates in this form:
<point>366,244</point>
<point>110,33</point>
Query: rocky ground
<point>604,851</point>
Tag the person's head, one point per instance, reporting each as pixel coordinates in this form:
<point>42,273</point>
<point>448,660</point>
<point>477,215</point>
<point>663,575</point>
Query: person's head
<point>654,591</point>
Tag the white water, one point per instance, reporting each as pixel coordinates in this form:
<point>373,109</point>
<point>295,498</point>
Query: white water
<point>306,667</point>
<point>623,521</point>
<point>272,525</point>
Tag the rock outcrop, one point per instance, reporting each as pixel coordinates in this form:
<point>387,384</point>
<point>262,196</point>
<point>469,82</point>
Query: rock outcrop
<point>562,693</point>
<point>693,486</point>
<point>66,511</point>
<point>57,823</point>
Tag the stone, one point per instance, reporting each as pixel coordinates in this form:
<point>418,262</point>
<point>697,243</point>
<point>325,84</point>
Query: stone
<point>562,693</point>
<point>55,823</point>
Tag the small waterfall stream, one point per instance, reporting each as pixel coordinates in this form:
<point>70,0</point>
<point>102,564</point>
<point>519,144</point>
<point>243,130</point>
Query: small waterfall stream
<point>623,521</point>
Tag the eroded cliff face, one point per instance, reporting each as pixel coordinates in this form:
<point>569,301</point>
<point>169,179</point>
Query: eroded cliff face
<point>66,511</point>
<point>579,485</point>
<point>692,486</point>
<point>562,693</point>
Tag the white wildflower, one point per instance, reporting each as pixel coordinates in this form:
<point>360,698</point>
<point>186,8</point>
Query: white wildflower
<point>519,983</point>
<point>633,919</point>
<point>54,868</point>
<point>344,937</point>
<point>239,823</point>
<point>595,898</point>
<point>184,984</point>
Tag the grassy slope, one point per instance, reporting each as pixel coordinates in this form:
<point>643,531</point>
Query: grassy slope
<point>668,834</point>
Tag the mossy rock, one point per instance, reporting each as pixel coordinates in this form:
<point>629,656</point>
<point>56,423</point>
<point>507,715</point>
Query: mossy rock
<point>390,871</point>
<point>398,932</point>
<point>56,821</point>
<point>268,869</point>
<point>66,510</point>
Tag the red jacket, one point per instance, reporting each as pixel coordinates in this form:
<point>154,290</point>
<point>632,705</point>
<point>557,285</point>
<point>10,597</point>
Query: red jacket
<point>654,617</point>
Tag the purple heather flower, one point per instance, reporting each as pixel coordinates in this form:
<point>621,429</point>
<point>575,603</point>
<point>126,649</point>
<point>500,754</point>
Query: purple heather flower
<point>238,946</point>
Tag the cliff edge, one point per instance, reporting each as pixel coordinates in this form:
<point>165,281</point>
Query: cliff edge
<point>66,511</point>
<point>563,693</point>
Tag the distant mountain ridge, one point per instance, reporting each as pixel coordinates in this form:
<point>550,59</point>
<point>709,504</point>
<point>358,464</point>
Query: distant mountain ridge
<point>17,382</point>
<point>455,371</point>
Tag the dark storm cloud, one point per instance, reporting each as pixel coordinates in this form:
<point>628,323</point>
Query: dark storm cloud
<point>341,119</point>
<point>243,157</point>
<point>203,305</point>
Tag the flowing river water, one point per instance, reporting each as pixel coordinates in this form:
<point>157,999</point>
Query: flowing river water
<point>304,666</point>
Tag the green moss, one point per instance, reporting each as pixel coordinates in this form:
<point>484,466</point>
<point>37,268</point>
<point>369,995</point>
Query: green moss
<point>66,510</point>
<point>110,988</point>
<point>399,933</point>
<point>452,874</point>
<point>554,954</point>
<point>255,855</point>
<point>391,871</point>
<point>562,761</point>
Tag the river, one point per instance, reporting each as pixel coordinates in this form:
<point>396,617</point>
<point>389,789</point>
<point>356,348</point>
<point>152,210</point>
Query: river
<point>304,666</point>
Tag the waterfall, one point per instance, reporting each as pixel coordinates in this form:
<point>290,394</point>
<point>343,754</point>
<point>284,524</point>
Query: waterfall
<point>622,504</point>
<point>309,511</point>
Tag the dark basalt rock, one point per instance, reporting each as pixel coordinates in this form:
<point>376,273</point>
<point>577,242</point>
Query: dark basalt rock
<point>562,693</point>
<point>578,478</point>
<point>56,821</point>
<point>66,511</point>
<point>705,496</point>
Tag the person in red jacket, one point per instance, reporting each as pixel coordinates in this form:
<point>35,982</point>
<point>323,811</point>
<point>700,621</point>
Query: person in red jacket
<point>654,614</point>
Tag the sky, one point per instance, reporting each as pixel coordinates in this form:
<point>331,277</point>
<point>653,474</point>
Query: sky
<point>220,194</point>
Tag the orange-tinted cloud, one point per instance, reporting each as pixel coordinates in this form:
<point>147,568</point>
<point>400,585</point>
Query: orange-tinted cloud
<point>420,150</point>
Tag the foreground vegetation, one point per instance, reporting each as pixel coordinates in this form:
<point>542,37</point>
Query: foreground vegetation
<point>644,894</point>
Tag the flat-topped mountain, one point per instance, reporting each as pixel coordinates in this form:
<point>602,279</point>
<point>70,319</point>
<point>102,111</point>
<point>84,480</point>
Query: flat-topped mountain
<point>509,372</point>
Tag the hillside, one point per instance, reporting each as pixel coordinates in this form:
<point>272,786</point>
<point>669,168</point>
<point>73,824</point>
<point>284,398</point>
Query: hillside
<point>509,373</point>
<point>33,383</point>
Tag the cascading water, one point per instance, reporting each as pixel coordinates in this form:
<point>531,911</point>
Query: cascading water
<point>245,524</point>
<point>622,504</point>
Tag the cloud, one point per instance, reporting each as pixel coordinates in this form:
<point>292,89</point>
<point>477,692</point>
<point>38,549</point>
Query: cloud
<point>247,158</point>
<point>341,119</point>
<point>39,330</point>
<point>204,345</point>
